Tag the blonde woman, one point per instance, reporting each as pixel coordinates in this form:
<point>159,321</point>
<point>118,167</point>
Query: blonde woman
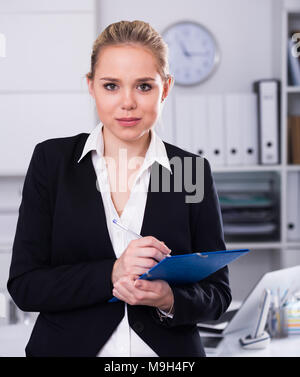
<point>69,258</point>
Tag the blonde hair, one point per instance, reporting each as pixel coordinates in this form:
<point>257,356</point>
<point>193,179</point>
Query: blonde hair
<point>132,33</point>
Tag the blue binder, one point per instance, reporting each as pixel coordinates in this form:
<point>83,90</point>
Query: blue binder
<point>190,268</point>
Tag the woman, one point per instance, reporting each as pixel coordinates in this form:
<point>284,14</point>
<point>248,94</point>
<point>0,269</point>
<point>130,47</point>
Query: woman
<point>69,259</point>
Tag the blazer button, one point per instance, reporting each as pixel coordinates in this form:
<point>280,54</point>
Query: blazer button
<point>138,327</point>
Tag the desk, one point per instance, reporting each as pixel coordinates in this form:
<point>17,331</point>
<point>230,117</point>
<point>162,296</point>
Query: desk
<point>230,347</point>
<point>13,339</point>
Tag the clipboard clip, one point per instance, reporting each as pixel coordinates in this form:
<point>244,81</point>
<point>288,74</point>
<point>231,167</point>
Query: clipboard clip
<point>202,256</point>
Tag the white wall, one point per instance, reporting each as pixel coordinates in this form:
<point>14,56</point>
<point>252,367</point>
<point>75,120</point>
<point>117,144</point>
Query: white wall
<point>243,29</point>
<point>43,91</point>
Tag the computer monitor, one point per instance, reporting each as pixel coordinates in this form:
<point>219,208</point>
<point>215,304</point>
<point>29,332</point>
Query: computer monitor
<point>246,316</point>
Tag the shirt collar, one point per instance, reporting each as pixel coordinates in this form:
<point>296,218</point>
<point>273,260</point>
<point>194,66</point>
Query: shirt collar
<point>156,150</point>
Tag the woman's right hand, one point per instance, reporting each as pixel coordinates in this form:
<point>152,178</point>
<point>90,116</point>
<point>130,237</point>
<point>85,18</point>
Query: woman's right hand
<point>139,256</point>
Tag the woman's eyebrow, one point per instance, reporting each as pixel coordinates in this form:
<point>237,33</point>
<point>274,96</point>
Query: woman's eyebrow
<point>137,80</point>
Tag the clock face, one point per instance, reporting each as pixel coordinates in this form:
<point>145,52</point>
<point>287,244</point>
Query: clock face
<point>193,52</point>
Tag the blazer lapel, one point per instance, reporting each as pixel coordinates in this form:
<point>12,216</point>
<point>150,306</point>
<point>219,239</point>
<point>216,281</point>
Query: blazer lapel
<point>165,212</point>
<point>92,203</point>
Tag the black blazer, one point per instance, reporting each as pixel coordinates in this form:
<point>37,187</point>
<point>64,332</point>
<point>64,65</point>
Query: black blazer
<point>63,257</point>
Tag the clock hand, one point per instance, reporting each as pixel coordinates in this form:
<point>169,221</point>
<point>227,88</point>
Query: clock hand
<point>199,54</point>
<point>189,54</point>
<point>185,52</point>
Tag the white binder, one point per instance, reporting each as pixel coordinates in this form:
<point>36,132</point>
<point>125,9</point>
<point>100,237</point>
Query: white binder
<point>293,205</point>
<point>200,141</point>
<point>249,127</point>
<point>268,120</point>
<point>191,123</point>
<point>215,128</point>
<point>233,139</point>
<point>183,121</point>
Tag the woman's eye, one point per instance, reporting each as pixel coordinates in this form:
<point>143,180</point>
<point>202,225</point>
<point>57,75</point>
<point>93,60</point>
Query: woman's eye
<point>106,86</point>
<point>147,85</point>
<point>111,87</point>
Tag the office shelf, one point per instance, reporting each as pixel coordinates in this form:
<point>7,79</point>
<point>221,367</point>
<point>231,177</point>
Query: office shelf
<point>293,89</point>
<point>293,245</point>
<point>254,245</point>
<point>293,168</point>
<point>240,168</point>
<point>263,245</point>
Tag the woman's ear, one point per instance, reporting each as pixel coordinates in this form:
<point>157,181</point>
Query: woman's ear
<point>90,84</point>
<point>168,84</point>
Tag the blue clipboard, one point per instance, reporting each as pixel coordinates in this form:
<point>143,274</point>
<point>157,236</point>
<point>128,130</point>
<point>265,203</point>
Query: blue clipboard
<point>190,268</point>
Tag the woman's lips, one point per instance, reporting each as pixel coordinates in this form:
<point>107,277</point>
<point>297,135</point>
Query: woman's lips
<point>129,121</point>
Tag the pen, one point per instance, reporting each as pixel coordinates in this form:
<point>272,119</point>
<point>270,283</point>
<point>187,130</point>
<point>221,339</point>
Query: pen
<point>116,222</point>
<point>284,297</point>
<point>126,229</point>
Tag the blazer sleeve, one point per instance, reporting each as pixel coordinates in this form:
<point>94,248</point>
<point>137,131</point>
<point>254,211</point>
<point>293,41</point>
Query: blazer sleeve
<point>209,298</point>
<point>33,283</point>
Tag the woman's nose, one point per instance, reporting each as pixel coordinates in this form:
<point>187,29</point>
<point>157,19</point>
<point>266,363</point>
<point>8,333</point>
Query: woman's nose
<point>128,101</point>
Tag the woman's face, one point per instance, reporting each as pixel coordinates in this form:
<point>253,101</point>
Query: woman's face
<point>127,84</point>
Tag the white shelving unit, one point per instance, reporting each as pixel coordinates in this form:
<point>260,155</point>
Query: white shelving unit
<point>290,103</point>
<point>290,98</point>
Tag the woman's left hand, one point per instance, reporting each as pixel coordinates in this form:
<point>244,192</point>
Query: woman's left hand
<point>136,291</point>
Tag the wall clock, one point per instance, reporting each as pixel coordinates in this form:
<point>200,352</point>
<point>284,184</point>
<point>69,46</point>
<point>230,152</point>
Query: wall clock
<point>193,52</point>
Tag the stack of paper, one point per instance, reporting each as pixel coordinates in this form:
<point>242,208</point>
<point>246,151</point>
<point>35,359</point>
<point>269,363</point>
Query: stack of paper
<point>292,312</point>
<point>248,213</point>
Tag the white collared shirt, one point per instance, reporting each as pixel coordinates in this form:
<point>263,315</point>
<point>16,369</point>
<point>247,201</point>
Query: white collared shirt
<point>124,341</point>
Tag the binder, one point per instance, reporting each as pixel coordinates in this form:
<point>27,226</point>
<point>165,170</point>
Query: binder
<point>199,134</point>
<point>190,268</point>
<point>215,127</point>
<point>233,155</point>
<point>294,139</point>
<point>268,120</point>
<point>184,126</point>
<point>293,205</point>
<point>240,112</point>
<point>249,127</point>
<point>293,64</point>
<point>191,123</point>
